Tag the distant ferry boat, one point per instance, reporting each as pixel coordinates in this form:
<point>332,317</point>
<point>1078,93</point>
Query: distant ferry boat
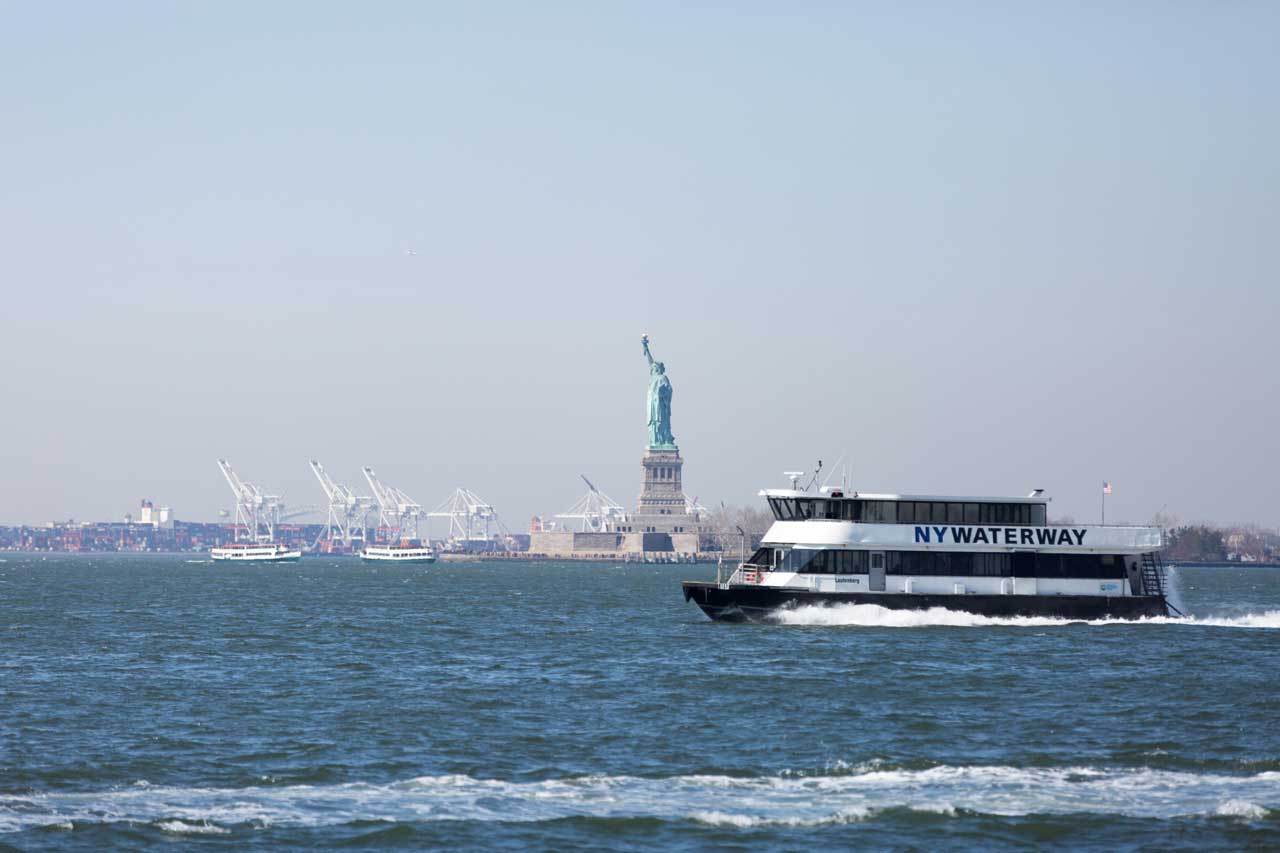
<point>990,556</point>
<point>399,553</point>
<point>245,552</point>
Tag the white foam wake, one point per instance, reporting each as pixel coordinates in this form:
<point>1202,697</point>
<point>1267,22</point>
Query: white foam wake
<point>875,616</point>
<point>785,800</point>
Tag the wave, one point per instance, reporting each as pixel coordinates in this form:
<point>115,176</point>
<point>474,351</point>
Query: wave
<point>783,800</point>
<point>200,562</point>
<point>875,616</point>
<point>181,827</point>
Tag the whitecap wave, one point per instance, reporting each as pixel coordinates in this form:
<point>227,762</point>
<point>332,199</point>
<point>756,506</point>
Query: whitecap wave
<point>1243,809</point>
<point>199,562</point>
<point>181,827</point>
<point>783,800</point>
<point>875,616</point>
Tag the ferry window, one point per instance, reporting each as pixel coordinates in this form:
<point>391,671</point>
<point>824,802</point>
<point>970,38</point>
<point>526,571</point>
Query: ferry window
<point>877,560</point>
<point>818,565</point>
<point>1024,514</point>
<point>843,562</point>
<point>942,563</point>
<point>906,512</point>
<point>801,560</point>
<point>961,564</point>
<point>1038,515</point>
<point>881,512</point>
<point>939,512</point>
<point>991,565</point>
<point>955,513</point>
<point>851,510</point>
<point>819,509</point>
<point>985,514</point>
<point>970,513</point>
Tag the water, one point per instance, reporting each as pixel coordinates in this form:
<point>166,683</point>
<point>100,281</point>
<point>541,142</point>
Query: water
<point>160,700</point>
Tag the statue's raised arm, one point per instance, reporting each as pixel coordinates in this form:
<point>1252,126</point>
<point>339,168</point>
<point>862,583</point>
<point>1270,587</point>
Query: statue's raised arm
<point>644,339</point>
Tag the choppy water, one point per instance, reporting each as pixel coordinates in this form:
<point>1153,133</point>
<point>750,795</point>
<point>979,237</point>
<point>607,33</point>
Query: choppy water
<point>148,700</point>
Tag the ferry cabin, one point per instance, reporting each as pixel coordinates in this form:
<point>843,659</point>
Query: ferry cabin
<point>878,543</point>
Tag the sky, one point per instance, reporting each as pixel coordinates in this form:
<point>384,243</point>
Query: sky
<point>967,248</point>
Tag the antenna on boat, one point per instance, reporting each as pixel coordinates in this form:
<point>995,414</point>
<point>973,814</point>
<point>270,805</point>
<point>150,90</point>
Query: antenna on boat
<point>833,471</point>
<point>794,477</point>
<point>814,479</point>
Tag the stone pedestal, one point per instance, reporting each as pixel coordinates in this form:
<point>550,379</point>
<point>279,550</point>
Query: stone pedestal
<point>661,490</point>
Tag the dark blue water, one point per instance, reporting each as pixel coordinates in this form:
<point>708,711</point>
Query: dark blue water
<point>152,701</point>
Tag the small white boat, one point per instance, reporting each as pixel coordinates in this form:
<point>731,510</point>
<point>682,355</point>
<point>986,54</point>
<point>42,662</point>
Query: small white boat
<point>245,552</point>
<point>399,553</point>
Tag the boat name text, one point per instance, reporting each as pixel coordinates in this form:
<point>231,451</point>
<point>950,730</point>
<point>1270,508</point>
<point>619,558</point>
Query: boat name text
<point>1001,535</point>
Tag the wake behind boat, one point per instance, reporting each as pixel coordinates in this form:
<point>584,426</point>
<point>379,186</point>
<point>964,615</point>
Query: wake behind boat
<point>983,555</point>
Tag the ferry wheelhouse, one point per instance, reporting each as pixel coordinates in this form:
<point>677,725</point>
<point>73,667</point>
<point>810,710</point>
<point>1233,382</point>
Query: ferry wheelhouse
<point>401,553</point>
<point>246,552</point>
<point>984,555</point>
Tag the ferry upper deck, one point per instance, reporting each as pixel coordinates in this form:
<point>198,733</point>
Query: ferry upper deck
<point>837,518</point>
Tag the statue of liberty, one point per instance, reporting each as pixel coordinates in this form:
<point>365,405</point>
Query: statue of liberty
<point>660,437</point>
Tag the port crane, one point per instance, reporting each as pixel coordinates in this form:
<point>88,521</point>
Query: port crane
<point>597,511</point>
<point>257,513</point>
<point>471,518</point>
<point>348,517</point>
<point>397,512</point>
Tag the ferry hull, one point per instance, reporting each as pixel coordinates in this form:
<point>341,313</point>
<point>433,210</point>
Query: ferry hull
<point>757,603</point>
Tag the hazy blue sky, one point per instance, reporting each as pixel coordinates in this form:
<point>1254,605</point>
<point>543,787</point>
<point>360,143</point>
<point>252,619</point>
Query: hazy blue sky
<point>981,247</point>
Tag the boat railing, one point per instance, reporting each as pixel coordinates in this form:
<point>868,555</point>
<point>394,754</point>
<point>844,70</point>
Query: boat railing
<point>748,573</point>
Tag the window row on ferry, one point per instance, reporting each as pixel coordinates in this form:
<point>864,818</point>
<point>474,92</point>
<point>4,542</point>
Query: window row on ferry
<point>939,563</point>
<point>907,512</point>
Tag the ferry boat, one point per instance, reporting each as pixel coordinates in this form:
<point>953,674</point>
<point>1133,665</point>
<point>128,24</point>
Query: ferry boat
<point>986,555</point>
<point>403,553</point>
<point>246,552</point>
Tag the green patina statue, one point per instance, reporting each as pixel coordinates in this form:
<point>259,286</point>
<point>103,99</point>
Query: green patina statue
<point>660,437</point>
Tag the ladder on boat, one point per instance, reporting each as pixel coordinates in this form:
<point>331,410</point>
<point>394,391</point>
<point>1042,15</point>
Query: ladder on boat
<point>1153,580</point>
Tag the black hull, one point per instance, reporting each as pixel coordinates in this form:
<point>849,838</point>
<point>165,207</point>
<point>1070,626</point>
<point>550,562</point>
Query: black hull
<point>757,603</point>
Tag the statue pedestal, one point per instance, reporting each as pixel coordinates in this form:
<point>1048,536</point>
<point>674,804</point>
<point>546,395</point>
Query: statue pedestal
<point>661,490</point>
<point>661,524</point>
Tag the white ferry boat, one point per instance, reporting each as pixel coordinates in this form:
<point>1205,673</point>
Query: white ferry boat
<point>984,555</point>
<point>246,552</point>
<point>399,553</point>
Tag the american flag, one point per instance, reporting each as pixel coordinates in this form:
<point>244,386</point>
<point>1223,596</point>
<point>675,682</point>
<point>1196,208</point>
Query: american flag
<point>1106,487</point>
